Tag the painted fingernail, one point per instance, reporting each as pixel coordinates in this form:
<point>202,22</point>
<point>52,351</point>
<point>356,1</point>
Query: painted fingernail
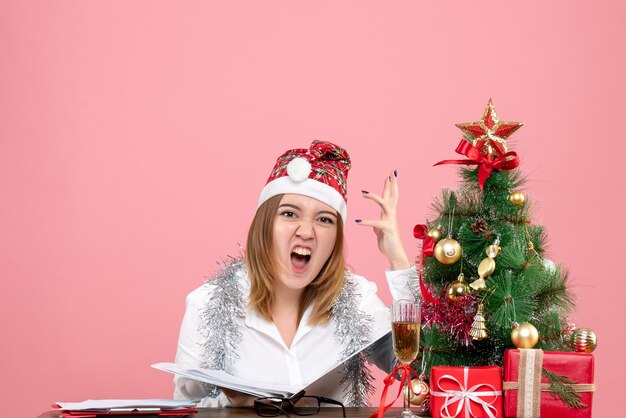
<point>365,192</point>
<point>395,173</point>
<point>357,220</point>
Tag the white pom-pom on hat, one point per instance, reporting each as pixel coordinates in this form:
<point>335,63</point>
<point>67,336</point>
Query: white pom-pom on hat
<point>298,169</point>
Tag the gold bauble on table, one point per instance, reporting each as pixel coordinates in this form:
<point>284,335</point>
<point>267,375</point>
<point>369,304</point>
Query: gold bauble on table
<point>517,198</point>
<point>435,234</point>
<point>458,288</point>
<point>448,251</point>
<point>525,335</point>
<point>421,391</point>
<point>584,340</point>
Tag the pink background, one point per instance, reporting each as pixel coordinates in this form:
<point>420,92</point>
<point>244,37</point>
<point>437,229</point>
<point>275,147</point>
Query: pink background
<point>136,136</point>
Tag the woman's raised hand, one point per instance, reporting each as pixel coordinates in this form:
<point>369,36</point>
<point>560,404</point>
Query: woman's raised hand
<point>386,229</point>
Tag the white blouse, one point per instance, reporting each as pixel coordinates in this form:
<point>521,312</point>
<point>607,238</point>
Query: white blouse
<point>263,355</point>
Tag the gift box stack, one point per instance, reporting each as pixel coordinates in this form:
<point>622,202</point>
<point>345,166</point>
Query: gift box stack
<point>536,384</point>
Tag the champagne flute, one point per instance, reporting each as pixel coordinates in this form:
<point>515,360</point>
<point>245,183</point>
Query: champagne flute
<point>405,327</point>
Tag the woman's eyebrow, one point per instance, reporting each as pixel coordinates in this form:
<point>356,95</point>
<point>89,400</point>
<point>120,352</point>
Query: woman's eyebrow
<point>288,205</point>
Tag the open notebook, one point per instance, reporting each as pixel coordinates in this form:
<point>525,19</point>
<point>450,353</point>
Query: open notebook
<point>222,379</point>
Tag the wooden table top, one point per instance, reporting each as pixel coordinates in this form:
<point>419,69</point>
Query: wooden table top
<point>250,412</point>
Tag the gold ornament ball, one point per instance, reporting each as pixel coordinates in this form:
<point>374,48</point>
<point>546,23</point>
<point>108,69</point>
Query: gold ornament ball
<point>435,234</point>
<point>525,335</point>
<point>458,289</point>
<point>517,198</point>
<point>421,390</point>
<point>448,251</point>
<point>584,340</point>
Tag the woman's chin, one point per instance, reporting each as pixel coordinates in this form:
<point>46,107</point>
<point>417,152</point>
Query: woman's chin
<point>298,278</point>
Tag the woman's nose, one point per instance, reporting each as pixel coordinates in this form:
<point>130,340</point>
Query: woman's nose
<point>305,228</point>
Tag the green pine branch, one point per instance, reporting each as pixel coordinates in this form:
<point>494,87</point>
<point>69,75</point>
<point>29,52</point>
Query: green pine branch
<point>561,388</point>
<point>538,237</point>
<point>550,328</point>
<point>511,302</point>
<point>513,254</point>
<point>553,291</point>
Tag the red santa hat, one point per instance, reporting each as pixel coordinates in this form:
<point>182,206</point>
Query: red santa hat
<point>320,172</point>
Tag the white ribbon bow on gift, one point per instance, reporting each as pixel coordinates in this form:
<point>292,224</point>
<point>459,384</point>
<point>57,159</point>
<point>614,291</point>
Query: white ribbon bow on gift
<point>464,397</point>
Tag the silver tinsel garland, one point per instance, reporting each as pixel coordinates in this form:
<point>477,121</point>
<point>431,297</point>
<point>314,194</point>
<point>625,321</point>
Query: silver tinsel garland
<point>220,331</point>
<point>353,331</point>
<point>222,334</point>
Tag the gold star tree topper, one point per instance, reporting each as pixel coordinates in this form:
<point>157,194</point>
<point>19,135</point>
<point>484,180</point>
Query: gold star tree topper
<point>489,134</point>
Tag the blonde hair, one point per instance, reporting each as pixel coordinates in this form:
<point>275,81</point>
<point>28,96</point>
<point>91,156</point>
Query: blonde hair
<point>263,268</point>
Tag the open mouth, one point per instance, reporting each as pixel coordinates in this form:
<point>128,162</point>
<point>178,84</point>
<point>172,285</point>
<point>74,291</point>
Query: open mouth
<point>300,257</point>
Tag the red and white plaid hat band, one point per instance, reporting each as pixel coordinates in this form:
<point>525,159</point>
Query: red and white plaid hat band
<point>320,172</point>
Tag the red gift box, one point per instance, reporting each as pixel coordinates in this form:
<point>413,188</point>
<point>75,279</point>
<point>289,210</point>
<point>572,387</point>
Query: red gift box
<point>523,380</point>
<point>466,391</point>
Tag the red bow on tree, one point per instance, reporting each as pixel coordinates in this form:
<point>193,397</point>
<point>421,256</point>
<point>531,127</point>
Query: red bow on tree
<point>486,164</point>
<point>428,249</point>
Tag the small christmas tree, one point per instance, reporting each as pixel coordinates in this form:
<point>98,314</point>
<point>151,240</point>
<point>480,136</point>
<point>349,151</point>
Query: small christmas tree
<point>488,274</point>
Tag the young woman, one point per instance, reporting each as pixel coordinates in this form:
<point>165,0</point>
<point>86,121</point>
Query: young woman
<point>290,310</point>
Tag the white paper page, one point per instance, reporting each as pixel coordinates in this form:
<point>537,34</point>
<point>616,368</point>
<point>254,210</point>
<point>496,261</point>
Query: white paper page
<point>380,334</point>
<point>223,379</point>
<point>106,404</point>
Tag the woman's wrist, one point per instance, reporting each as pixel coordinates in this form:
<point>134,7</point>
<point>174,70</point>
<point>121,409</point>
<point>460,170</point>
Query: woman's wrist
<point>399,264</point>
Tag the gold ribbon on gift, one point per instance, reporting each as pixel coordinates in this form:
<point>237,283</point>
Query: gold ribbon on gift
<point>529,386</point>
<point>578,387</point>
